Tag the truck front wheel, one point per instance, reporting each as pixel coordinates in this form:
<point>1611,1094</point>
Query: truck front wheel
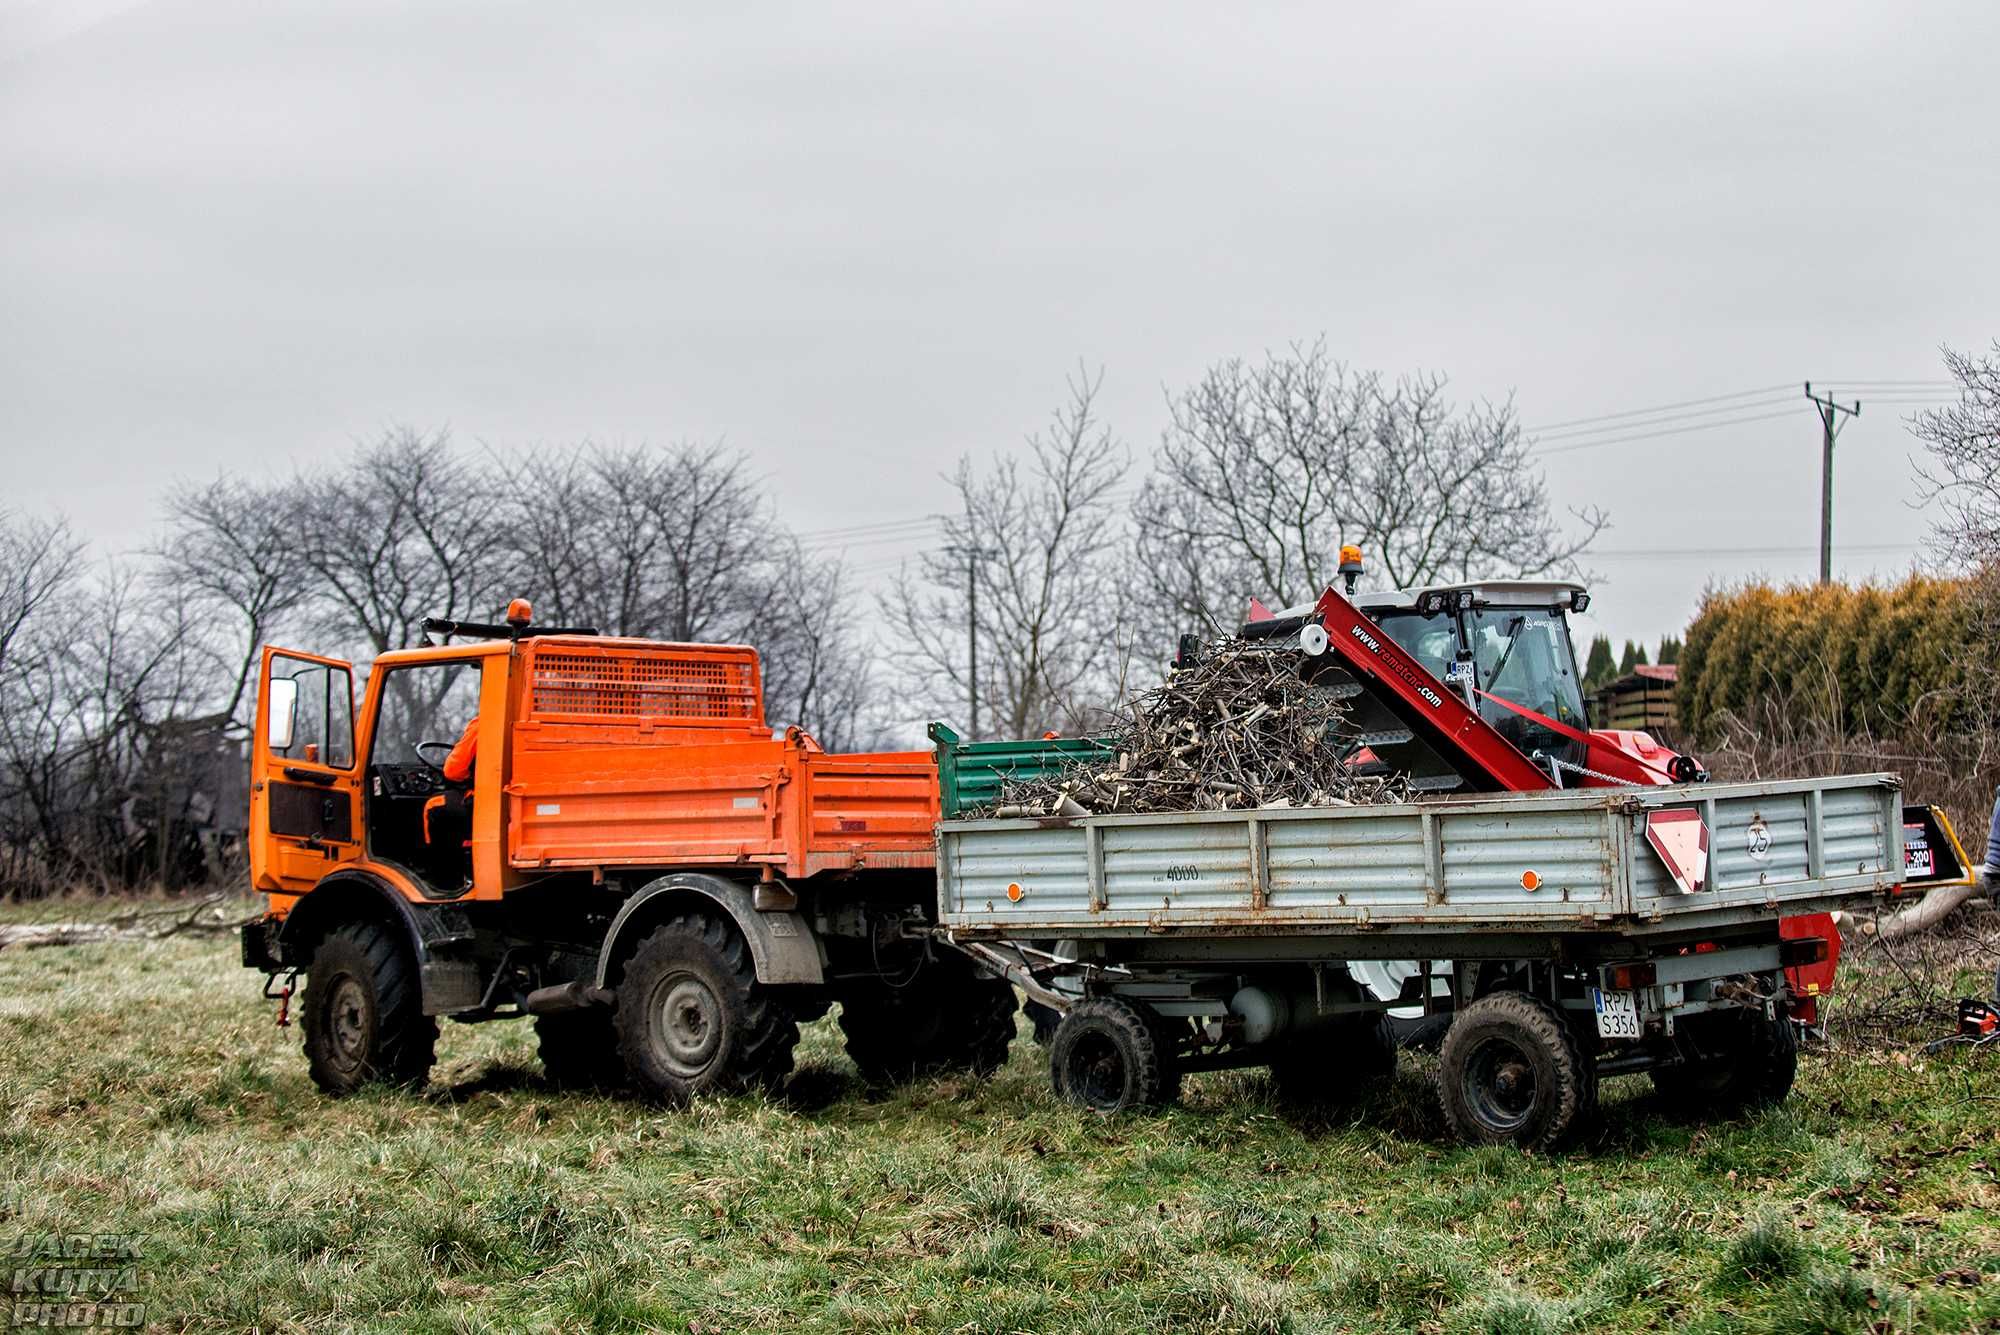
<point>693,1019</point>
<point>1512,1071</point>
<point>1108,1056</point>
<point>1744,1061</point>
<point>364,1015</point>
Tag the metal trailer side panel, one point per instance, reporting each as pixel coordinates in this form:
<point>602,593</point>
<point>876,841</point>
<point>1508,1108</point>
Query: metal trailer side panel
<point>1570,861</point>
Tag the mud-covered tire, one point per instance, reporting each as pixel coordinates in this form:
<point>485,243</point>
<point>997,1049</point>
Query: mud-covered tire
<point>947,1021</point>
<point>1107,1057</point>
<point>1512,1072</point>
<point>363,1013</point>
<point>1747,1062</point>
<point>1337,1066</point>
<point>579,1049</point>
<point>692,1019</point>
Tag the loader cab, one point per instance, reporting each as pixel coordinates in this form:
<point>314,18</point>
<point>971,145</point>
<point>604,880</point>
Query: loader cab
<point>1504,648</point>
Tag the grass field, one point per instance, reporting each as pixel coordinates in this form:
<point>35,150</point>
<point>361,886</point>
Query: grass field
<point>146,1091</point>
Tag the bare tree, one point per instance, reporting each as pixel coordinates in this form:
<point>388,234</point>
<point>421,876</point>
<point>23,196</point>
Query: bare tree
<point>1962,477</point>
<point>231,551</point>
<point>1035,543</point>
<point>681,543</point>
<point>39,559</point>
<point>1266,469</point>
<point>406,530</point>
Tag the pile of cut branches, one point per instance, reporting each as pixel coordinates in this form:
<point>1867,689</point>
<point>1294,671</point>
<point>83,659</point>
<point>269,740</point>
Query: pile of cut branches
<point>1236,729</point>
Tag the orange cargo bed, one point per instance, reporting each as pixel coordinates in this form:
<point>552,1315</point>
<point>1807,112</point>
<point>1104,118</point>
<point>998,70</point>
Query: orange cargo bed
<point>634,754</point>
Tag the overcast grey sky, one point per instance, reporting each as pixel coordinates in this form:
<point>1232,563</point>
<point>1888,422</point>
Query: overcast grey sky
<point>856,241</point>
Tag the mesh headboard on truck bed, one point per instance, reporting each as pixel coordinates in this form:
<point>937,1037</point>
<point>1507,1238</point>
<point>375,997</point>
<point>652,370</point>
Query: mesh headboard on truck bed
<point>712,688</point>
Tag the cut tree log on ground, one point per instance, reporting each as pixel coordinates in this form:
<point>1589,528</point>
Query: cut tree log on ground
<point>1927,912</point>
<point>203,917</point>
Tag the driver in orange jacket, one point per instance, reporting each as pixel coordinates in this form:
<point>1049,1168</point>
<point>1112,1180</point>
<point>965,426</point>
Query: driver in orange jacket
<point>458,765</point>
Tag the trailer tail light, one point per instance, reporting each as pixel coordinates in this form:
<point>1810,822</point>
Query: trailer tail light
<point>1628,977</point>
<point>1797,951</point>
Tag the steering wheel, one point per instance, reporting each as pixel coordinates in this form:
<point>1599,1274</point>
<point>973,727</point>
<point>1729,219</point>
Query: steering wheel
<point>437,765</point>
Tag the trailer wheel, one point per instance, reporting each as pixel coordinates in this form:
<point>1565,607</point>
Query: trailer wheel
<point>579,1049</point>
<point>1747,1061</point>
<point>947,1020</point>
<point>364,1018</point>
<point>693,1019</point>
<point>1045,1019</point>
<point>1336,1066</point>
<point>1511,1071</point>
<point>1107,1057</point>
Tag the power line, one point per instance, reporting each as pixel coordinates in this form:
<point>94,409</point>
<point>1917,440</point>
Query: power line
<point>1662,408</point>
<point>1669,419</point>
<point>1567,447</point>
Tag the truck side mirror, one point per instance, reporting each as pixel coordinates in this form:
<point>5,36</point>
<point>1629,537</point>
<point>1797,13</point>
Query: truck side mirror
<point>280,701</point>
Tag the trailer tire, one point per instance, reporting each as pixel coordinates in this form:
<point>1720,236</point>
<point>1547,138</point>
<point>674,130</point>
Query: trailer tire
<point>692,1019</point>
<point>946,1021</point>
<point>1107,1057</point>
<point>1511,1071</point>
<point>579,1049</point>
<point>1337,1066</point>
<point>364,1015</point>
<point>1751,1063</point>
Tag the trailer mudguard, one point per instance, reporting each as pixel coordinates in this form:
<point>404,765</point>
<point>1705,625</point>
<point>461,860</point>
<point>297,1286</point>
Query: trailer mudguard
<point>782,944</point>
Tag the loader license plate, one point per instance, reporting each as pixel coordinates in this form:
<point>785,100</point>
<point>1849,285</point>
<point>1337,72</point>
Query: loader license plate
<point>1617,1013</point>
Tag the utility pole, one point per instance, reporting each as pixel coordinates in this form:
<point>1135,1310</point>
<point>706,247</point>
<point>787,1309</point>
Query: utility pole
<point>973,555</point>
<point>1830,424</point>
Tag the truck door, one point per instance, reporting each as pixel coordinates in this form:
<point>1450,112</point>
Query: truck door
<point>305,787</point>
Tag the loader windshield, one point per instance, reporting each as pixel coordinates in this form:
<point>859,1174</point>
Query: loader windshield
<point>1523,658</point>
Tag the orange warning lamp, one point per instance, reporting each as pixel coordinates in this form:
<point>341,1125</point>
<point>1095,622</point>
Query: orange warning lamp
<point>519,613</point>
<point>1350,566</point>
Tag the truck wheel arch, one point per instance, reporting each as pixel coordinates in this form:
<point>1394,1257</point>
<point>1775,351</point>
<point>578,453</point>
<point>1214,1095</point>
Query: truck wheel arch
<point>355,895</point>
<point>783,946</point>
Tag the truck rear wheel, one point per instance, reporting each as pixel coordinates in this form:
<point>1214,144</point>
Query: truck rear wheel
<point>692,1018</point>
<point>364,1017</point>
<point>1336,1065</point>
<point>1108,1057</point>
<point>1746,1061</point>
<point>1512,1071</point>
<point>579,1049</point>
<point>947,1020</point>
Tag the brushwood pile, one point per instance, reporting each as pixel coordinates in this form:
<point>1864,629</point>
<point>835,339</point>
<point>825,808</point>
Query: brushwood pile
<point>1235,729</point>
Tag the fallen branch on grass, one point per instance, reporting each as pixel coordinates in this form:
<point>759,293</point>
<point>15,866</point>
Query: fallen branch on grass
<point>202,917</point>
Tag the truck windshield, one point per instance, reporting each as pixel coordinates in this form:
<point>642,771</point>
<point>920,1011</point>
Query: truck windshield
<point>1523,657</point>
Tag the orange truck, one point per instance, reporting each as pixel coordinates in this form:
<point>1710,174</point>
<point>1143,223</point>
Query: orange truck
<point>631,857</point>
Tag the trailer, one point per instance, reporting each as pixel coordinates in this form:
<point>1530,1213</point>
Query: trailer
<point>1579,947</point>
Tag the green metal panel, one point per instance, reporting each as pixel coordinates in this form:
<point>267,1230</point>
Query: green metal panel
<point>972,774</point>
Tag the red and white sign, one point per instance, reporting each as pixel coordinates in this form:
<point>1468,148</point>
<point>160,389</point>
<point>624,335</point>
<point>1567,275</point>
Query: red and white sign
<point>1681,839</point>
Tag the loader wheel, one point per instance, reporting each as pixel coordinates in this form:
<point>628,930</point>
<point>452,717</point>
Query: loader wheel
<point>364,1017</point>
<point>1512,1072</point>
<point>1746,1061</point>
<point>1107,1057</point>
<point>692,1018</point>
<point>1336,1066</point>
<point>947,1020</point>
<point>579,1049</point>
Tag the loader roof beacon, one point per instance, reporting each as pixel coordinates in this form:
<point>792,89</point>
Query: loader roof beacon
<point>668,887</point>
